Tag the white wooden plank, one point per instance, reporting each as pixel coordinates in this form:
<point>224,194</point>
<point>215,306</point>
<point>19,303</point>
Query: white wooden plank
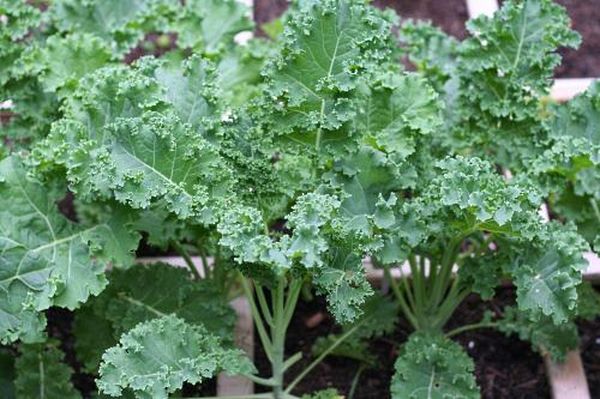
<point>244,339</point>
<point>565,89</point>
<point>481,7</point>
<point>567,380</point>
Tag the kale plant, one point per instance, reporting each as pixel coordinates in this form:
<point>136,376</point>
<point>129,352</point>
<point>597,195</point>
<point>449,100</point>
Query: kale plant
<point>282,163</point>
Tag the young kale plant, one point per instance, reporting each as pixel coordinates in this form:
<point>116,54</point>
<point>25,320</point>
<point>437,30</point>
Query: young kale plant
<point>472,219</point>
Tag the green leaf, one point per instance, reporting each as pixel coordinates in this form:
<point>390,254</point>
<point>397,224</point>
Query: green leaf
<point>189,88</point>
<point>120,23</point>
<point>65,60</point>
<point>433,367</point>
<point>433,52</point>
<point>93,335</point>
<point>343,281</point>
<point>121,140</point>
<point>146,292</point>
<point>210,25</point>
<point>46,259</point>
<point>508,62</point>
<point>544,335</point>
<point>588,301</point>
<point>547,272</point>
<point>158,356</point>
<point>41,373</point>
<point>328,47</point>
<point>398,107</point>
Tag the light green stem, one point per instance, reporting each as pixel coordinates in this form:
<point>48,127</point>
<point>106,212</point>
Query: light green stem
<point>468,327</point>
<point>188,260</point>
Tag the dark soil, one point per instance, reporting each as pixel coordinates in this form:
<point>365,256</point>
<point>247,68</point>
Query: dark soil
<point>584,62</point>
<point>450,15</point>
<point>505,367</point>
<point>59,327</point>
<point>589,333</point>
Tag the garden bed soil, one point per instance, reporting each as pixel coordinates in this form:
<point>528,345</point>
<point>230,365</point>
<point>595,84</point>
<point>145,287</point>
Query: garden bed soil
<point>505,367</point>
<point>584,62</point>
<point>60,323</point>
<point>450,15</point>
<point>589,333</point>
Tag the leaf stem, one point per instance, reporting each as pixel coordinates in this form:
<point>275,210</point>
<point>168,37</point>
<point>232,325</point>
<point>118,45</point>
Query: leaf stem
<point>396,289</point>
<point>260,327</point>
<point>188,260</point>
<point>468,327</point>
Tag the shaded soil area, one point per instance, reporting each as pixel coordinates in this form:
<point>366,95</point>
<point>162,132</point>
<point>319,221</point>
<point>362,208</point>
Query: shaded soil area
<point>589,333</point>
<point>584,62</point>
<point>60,327</point>
<point>450,15</point>
<point>505,366</point>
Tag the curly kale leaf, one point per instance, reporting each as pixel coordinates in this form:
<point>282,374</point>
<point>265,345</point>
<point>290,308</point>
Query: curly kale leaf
<point>210,25</point>
<point>433,367</point>
<point>328,47</point>
<point>143,293</point>
<point>433,52</point>
<point>63,61</point>
<point>156,357</point>
<point>508,62</point>
<point>544,335</point>
<point>47,261</point>
<point>41,373</point>
<point>121,139</point>
<point>343,281</point>
<point>547,270</point>
<point>397,108</point>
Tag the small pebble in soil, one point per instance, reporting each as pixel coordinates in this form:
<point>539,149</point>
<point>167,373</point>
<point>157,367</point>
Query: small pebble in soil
<point>471,344</point>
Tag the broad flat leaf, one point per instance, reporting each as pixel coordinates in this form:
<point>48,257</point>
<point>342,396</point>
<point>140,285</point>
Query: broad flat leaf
<point>45,259</point>
<point>367,180</point>
<point>42,373</point>
<point>579,117</point>
<point>158,356</point>
<point>433,367</point>
<point>544,335</point>
<point>145,292</point>
<point>327,47</point>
